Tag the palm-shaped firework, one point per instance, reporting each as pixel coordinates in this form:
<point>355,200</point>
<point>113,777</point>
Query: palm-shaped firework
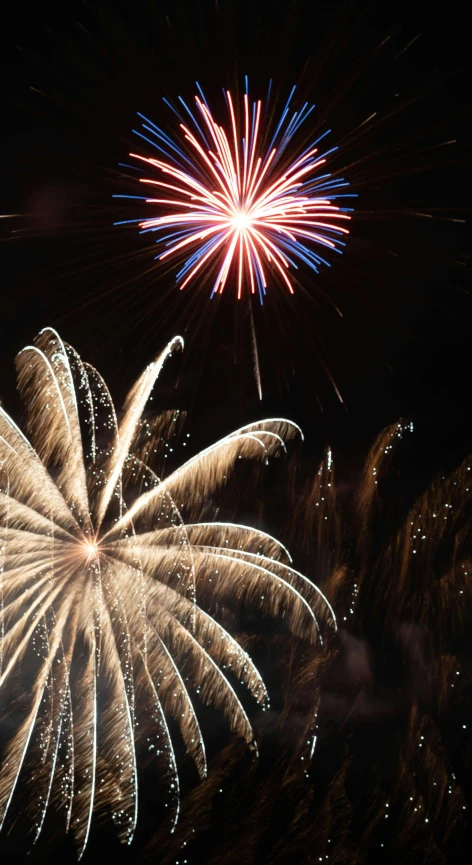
<point>103,591</point>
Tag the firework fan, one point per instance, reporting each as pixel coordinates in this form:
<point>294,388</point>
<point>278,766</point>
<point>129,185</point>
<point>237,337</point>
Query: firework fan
<point>107,594</point>
<point>242,202</point>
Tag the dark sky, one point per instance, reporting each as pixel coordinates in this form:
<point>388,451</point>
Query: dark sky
<point>72,82</point>
<point>71,85</point>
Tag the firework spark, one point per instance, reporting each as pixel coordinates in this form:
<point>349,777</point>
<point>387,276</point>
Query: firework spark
<point>240,202</point>
<point>403,593</point>
<point>108,598</point>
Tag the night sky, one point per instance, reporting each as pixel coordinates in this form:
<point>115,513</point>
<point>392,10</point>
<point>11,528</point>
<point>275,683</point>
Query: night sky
<point>401,286</point>
<point>72,82</point>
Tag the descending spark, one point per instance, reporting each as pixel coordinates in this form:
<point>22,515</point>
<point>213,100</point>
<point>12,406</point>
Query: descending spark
<point>241,203</point>
<point>108,598</point>
<point>255,354</point>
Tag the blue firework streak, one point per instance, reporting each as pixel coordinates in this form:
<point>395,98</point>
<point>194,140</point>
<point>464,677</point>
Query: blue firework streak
<point>240,203</point>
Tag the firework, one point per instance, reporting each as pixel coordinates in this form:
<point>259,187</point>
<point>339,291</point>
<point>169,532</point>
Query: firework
<point>107,595</point>
<point>241,203</point>
<point>388,690</point>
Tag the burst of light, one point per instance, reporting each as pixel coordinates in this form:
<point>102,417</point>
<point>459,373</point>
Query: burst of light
<point>91,549</point>
<point>244,203</point>
<point>108,597</point>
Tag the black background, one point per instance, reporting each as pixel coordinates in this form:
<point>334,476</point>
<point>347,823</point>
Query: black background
<point>401,347</point>
<point>72,81</point>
